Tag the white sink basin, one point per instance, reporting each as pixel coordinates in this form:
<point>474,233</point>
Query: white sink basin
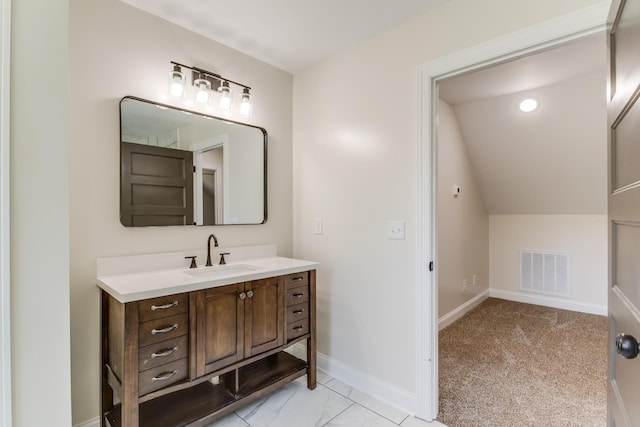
<point>219,271</point>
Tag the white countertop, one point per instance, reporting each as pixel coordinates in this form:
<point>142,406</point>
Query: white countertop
<point>134,286</point>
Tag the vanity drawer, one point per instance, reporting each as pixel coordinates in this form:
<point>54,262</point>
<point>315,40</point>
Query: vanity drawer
<point>296,279</point>
<point>297,295</point>
<point>162,352</point>
<point>166,328</point>
<point>297,312</point>
<point>162,376</point>
<point>156,308</point>
<point>297,329</point>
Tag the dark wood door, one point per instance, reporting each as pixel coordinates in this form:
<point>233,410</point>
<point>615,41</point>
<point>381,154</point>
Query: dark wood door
<point>264,315</point>
<point>624,213</point>
<point>220,327</point>
<point>156,186</point>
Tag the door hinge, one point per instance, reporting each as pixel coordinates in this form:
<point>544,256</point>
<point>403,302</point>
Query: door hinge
<point>430,265</point>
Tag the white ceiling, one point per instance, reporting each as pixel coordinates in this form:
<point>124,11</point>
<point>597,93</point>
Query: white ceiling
<point>289,34</point>
<point>551,161</point>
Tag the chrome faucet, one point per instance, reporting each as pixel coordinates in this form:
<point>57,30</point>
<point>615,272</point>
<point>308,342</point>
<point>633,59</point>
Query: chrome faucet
<point>215,243</point>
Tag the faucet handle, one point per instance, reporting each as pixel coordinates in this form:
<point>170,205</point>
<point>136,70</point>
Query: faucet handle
<point>222,254</point>
<point>193,261</point>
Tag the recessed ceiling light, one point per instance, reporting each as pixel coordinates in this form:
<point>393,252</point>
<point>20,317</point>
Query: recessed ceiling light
<point>528,105</point>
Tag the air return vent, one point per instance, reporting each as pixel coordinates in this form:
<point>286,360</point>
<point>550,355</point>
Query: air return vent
<point>545,273</point>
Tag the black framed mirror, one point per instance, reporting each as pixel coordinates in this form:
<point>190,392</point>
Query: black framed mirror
<point>180,167</point>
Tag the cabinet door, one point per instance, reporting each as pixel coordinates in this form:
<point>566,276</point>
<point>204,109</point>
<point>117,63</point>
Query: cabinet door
<point>264,315</point>
<point>220,327</point>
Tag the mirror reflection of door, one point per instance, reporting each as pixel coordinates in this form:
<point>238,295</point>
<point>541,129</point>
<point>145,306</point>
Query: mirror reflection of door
<point>210,196</point>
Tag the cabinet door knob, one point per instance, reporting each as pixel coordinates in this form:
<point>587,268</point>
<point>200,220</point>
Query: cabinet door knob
<point>250,294</point>
<point>242,295</point>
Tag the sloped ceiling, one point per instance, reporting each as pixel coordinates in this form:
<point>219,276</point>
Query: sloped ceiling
<point>289,34</point>
<point>551,161</point>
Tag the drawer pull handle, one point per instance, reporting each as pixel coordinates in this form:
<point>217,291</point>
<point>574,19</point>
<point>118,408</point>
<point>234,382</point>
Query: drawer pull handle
<point>297,328</point>
<point>164,353</point>
<point>298,295</point>
<point>298,311</point>
<point>165,330</point>
<point>164,307</point>
<point>297,279</point>
<point>164,376</point>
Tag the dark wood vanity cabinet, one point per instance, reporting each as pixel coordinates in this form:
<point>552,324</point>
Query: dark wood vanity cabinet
<point>238,321</point>
<point>191,358</point>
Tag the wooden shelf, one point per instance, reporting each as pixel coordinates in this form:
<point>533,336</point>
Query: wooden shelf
<point>205,402</point>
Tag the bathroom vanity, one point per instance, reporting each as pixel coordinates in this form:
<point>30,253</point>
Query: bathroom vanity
<point>184,347</point>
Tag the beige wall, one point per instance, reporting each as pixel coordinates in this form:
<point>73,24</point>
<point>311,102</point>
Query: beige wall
<point>463,222</point>
<point>355,165</point>
<point>117,50</point>
<point>40,214</point>
<point>584,237</point>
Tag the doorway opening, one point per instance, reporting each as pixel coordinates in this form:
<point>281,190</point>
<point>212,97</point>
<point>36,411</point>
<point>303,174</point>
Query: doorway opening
<point>570,27</point>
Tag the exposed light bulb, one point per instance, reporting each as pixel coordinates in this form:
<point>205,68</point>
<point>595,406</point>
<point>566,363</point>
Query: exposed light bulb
<point>245,104</point>
<point>225,96</point>
<point>528,105</point>
<point>176,82</point>
<point>202,92</point>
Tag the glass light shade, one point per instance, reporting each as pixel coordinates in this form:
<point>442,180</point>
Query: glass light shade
<point>245,103</point>
<point>177,83</point>
<point>225,96</point>
<point>528,105</point>
<point>203,90</point>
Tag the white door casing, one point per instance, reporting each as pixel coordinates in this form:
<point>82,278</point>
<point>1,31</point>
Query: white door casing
<point>582,23</point>
<point>5,283</point>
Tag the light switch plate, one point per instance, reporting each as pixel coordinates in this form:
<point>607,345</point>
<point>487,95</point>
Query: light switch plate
<point>395,230</point>
<point>318,227</point>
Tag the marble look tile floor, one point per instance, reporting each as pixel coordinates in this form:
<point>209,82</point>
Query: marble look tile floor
<point>331,404</point>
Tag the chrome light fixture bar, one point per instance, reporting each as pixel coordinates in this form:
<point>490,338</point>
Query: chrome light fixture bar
<point>206,84</point>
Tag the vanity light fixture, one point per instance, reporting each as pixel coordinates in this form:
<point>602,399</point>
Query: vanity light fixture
<point>207,84</point>
<point>245,102</point>
<point>528,105</point>
<point>177,82</point>
<point>225,96</point>
<point>203,90</point>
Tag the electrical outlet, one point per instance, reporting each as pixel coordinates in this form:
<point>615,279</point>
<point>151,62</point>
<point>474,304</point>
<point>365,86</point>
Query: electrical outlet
<point>474,281</point>
<point>464,285</point>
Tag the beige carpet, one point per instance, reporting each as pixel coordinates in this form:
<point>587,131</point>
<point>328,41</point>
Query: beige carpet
<point>513,364</point>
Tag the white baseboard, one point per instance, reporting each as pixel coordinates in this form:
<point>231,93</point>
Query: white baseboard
<point>382,390</point>
<point>547,301</point>
<point>460,311</point>
<point>94,422</point>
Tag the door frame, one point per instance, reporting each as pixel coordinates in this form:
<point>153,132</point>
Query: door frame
<point>5,247</point>
<point>573,26</point>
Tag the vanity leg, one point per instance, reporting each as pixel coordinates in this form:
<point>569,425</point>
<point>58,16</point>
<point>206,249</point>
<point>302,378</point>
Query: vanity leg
<point>312,346</point>
<point>130,383</point>
<point>106,394</point>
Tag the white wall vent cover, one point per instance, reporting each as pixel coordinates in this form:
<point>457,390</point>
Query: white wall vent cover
<point>545,273</point>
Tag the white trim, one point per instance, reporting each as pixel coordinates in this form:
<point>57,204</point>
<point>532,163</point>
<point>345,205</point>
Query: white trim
<point>461,310</point>
<point>5,247</point>
<point>587,21</point>
<point>375,387</point>
<point>548,301</point>
<point>94,422</point>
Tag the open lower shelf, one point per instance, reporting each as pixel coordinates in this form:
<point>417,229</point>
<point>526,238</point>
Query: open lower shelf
<point>206,402</point>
